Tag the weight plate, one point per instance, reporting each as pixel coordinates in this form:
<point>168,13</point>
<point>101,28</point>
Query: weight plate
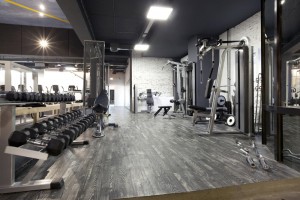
<point>230,121</point>
<point>221,101</point>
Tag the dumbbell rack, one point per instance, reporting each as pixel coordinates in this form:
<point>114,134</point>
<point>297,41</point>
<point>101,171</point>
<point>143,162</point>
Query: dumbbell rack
<point>7,157</point>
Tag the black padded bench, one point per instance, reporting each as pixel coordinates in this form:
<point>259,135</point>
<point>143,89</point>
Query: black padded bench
<point>166,109</point>
<point>204,112</point>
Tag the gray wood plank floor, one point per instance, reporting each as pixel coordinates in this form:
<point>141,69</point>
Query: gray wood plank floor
<point>150,156</point>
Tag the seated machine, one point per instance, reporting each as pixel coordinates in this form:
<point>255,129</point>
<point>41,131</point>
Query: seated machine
<point>149,100</point>
<point>100,108</point>
<point>223,112</point>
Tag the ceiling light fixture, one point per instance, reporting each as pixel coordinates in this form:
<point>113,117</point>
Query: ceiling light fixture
<point>111,78</point>
<point>43,43</point>
<point>41,14</point>
<point>141,47</point>
<point>42,7</point>
<point>282,2</point>
<point>159,12</point>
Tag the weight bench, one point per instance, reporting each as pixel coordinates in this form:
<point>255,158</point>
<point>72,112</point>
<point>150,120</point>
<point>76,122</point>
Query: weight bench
<point>166,109</point>
<point>100,108</point>
<point>200,112</point>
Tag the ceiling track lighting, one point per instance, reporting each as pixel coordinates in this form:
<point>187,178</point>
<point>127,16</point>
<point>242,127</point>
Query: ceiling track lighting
<point>43,43</point>
<point>141,47</point>
<point>159,12</point>
<point>42,7</point>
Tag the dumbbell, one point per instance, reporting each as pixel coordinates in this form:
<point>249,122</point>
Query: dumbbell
<point>64,118</point>
<point>54,123</point>
<point>52,98</point>
<point>85,123</point>
<point>64,97</point>
<point>60,121</point>
<point>13,96</point>
<point>77,112</point>
<point>42,136</point>
<point>37,97</point>
<point>75,129</point>
<point>87,120</point>
<point>54,146</point>
<point>61,96</point>
<point>57,96</point>
<point>46,127</point>
<point>83,126</point>
<point>67,97</point>
<point>45,97</point>
<point>32,96</point>
<point>80,127</point>
<point>69,116</point>
<point>25,96</point>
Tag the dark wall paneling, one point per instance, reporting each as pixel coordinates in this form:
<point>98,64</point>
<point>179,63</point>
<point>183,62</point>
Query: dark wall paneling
<point>24,40</point>
<point>207,64</point>
<point>30,40</point>
<point>58,40</point>
<point>10,39</point>
<point>75,46</point>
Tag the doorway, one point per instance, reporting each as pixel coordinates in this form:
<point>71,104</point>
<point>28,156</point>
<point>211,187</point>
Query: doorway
<point>112,97</point>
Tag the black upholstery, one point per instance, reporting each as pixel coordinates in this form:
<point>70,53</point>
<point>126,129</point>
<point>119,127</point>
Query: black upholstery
<point>40,88</point>
<point>55,88</point>
<point>71,88</point>
<point>101,103</point>
<point>150,101</point>
<point>198,108</point>
<point>218,109</point>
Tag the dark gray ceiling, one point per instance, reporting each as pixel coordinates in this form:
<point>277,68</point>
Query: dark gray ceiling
<point>22,12</point>
<point>123,22</point>
<point>290,18</point>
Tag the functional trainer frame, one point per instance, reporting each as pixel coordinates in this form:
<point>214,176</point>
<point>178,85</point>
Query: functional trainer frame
<point>244,82</point>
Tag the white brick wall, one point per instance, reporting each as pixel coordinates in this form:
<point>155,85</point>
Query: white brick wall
<point>147,73</point>
<point>251,29</point>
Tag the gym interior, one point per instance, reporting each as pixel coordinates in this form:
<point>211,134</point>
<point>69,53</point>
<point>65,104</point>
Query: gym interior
<point>152,99</point>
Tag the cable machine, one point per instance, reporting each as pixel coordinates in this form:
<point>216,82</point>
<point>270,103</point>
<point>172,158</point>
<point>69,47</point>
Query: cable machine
<point>183,86</point>
<point>243,99</point>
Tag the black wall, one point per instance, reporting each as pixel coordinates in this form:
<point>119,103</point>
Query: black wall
<point>23,40</point>
<point>207,63</point>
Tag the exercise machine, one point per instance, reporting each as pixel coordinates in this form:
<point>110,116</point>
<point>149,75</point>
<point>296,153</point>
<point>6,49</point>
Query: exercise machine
<point>243,107</point>
<point>292,96</point>
<point>100,108</point>
<point>183,86</point>
<point>52,138</point>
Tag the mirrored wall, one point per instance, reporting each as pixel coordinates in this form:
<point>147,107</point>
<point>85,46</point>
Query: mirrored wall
<point>281,79</point>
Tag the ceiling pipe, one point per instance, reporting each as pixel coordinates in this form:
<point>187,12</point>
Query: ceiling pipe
<point>74,13</point>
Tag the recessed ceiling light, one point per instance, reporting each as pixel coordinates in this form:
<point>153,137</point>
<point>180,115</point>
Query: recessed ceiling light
<point>43,43</point>
<point>282,2</point>
<point>41,14</point>
<point>111,78</point>
<point>141,47</point>
<point>159,12</point>
<point>42,7</point>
